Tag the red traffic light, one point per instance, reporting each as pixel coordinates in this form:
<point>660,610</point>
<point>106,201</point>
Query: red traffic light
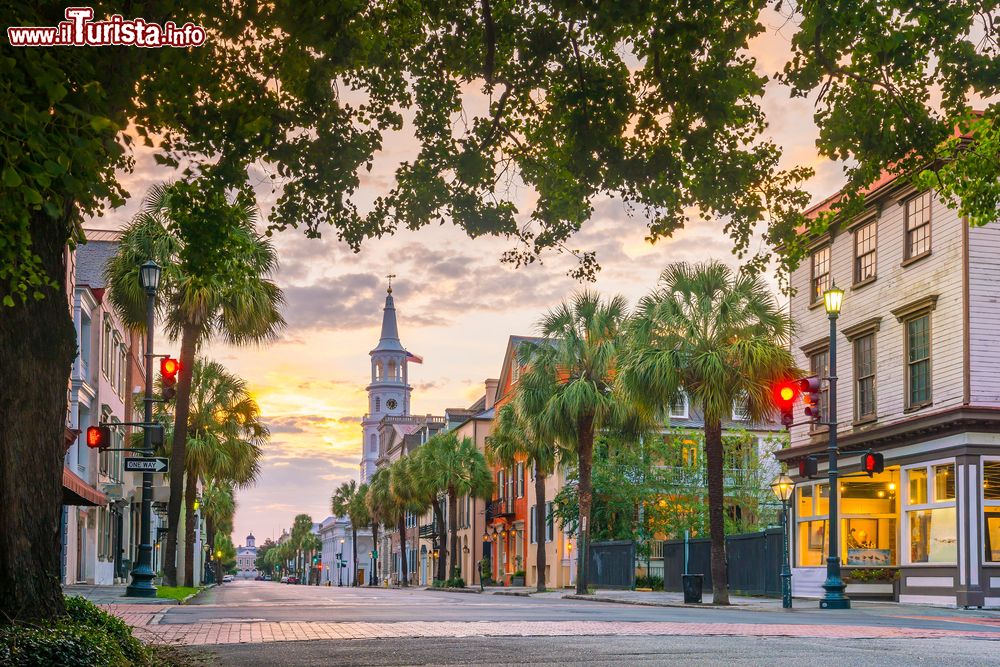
<point>785,393</point>
<point>872,463</point>
<point>98,437</point>
<point>169,367</point>
<point>810,388</point>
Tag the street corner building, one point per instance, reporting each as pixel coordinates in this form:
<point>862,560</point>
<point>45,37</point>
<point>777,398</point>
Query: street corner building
<point>99,528</point>
<point>918,347</point>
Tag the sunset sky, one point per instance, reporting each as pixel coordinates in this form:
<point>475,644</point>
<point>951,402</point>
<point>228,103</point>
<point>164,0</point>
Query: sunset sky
<point>456,305</point>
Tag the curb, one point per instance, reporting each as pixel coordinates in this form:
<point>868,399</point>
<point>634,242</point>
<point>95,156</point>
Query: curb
<point>198,592</point>
<point>453,590</point>
<point>520,594</point>
<point>674,605</point>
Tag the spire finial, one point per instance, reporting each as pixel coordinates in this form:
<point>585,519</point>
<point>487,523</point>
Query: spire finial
<point>390,277</point>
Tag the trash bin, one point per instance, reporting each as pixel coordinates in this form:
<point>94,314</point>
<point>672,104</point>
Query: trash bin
<point>692,588</point>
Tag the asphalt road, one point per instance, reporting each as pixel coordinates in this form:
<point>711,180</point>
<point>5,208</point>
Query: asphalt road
<point>686,651</point>
<point>270,601</point>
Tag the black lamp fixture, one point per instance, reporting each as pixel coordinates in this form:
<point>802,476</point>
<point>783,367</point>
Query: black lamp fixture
<point>149,275</point>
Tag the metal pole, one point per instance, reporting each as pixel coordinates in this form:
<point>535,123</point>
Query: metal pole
<point>786,572</point>
<point>142,573</point>
<point>834,597</point>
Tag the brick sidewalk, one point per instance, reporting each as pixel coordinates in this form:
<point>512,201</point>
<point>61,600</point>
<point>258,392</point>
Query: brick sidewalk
<point>145,620</point>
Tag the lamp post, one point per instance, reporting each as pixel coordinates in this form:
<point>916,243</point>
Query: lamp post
<point>834,597</point>
<point>340,564</point>
<point>142,574</point>
<point>782,486</point>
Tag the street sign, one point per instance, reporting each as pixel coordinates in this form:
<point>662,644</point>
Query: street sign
<point>137,464</point>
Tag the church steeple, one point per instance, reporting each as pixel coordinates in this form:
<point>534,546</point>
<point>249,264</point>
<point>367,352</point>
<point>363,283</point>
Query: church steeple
<point>389,389</point>
<point>389,339</point>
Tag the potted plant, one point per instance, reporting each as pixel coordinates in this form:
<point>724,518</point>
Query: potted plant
<point>485,575</point>
<point>518,578</point>
<point>872,582</point>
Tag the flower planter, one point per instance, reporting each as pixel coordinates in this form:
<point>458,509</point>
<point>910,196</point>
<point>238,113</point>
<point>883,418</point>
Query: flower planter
<point>517,581</point>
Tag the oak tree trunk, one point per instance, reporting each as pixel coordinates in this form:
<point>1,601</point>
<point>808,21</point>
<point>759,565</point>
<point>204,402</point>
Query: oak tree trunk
<point>585,436</point>
<point>37,347</point>
<point>189,341</point>
<point>541,530</point>
<point>190,495</point>
<point>456,564</point>
<point>716,510</point>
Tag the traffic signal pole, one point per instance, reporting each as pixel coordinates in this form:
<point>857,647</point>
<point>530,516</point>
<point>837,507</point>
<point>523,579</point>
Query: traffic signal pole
<point>142,572</point>
<point>834,598</point>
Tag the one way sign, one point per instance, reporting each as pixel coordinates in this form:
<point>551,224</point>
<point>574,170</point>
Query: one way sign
<point>136,464</point>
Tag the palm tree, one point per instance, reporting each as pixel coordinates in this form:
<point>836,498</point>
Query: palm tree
<point>218,505</point>
<point>212,283</point>
<point>403,490</point>
<point>458,468</point>
<point>720,337</point>
<point>224,440</point>
<point>301,528</point>
<point>427,489</point>
<point>515,439</point>
<point>349,500</point>
<point>568,382</point>
<point>385,506</point>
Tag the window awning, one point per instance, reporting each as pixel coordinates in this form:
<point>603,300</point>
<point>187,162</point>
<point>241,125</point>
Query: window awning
<point>78,492</point>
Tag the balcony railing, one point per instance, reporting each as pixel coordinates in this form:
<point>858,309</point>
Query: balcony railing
<point>691,477</point>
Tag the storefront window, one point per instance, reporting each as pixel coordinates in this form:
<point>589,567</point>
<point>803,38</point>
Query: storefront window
<point>918,486</point>
<point>869,521</point>
<point>823,499</point>
<point>868,506</point>
<point>991,509</point>
<point>931,521</point>
<point>813,550</point>
<point>933,536</point>
<point>806,500</point>
<point>944,482</point>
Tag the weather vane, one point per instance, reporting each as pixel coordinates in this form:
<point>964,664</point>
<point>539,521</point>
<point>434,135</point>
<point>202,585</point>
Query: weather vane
<point>390,277</point>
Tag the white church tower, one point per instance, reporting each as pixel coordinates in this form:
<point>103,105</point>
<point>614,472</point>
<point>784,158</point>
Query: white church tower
<point>389,390</point>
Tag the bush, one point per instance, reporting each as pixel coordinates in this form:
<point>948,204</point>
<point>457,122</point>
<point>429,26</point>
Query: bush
<point>438,583</point>
<point>455,582</point>
<point>84,612</point>
<point>873,574</point>
<point>519,573</point>
<point>65,644</point>
<point>653,582</point>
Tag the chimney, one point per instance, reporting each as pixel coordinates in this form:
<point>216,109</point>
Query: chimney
<point>491,392</point>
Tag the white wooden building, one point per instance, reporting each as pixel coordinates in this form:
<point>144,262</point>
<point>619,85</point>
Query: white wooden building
<point>918,351</point>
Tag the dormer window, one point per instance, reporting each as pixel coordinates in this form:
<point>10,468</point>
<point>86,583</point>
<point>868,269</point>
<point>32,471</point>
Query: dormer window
<point>679,407</point>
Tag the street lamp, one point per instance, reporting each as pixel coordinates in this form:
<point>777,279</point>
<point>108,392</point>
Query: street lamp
<point>783,486</point>
<point>142,574</point>
<point>341,564</point>
<point>834,597</point>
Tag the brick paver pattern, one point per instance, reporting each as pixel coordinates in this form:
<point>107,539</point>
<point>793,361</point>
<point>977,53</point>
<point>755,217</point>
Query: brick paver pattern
<point>145,619</point>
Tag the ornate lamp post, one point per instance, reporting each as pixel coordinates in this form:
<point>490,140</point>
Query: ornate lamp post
<point>783,486</point>
<point>834,597</point>
<point>142,573</point>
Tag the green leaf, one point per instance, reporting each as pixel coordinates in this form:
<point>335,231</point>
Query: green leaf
<point>11,178</point>
<point>100,123</point>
